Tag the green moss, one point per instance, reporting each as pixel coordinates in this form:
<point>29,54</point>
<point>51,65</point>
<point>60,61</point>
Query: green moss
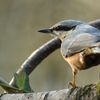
<point>98,88</point>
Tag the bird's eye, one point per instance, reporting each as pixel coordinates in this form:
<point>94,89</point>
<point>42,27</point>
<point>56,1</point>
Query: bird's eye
<point>58,28</point>
<point>61,28</point>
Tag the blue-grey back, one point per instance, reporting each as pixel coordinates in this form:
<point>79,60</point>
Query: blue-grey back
<point>82,36</point>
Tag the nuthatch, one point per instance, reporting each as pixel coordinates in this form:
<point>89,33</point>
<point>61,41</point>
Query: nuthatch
<point>80,45</point>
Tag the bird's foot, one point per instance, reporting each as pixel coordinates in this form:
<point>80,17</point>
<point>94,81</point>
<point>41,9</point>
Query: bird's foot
<point>72,84</point>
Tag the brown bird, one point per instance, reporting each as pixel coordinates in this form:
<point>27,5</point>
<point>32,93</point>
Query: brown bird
<point>80,45</point>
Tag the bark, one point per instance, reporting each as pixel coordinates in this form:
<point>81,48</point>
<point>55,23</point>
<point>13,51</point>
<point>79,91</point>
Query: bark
<point>88,92</point>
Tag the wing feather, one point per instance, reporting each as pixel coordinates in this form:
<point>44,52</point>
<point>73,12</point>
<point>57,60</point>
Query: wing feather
<point>78,43</point>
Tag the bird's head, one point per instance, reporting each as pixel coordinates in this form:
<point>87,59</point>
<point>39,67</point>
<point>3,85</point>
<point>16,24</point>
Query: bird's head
<point>62,27</point>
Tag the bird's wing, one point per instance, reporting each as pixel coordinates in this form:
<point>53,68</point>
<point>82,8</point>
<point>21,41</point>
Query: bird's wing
<point>76,44</point>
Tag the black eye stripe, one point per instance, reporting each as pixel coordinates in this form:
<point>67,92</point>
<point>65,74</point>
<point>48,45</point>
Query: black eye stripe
<point>62,28</point>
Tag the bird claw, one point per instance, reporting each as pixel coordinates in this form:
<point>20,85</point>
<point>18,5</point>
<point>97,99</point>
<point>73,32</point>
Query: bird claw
<point>72,84</point>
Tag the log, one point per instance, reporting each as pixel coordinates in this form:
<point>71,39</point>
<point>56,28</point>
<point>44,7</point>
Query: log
<point>87,92</point>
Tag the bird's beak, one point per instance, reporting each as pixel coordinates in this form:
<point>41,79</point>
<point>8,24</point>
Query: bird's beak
<point>45,30</point>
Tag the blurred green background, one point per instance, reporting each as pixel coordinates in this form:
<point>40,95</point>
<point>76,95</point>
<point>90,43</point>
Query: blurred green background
<point>19,22</point>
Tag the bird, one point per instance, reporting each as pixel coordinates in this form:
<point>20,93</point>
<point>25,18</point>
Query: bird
<point>80,45</point>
